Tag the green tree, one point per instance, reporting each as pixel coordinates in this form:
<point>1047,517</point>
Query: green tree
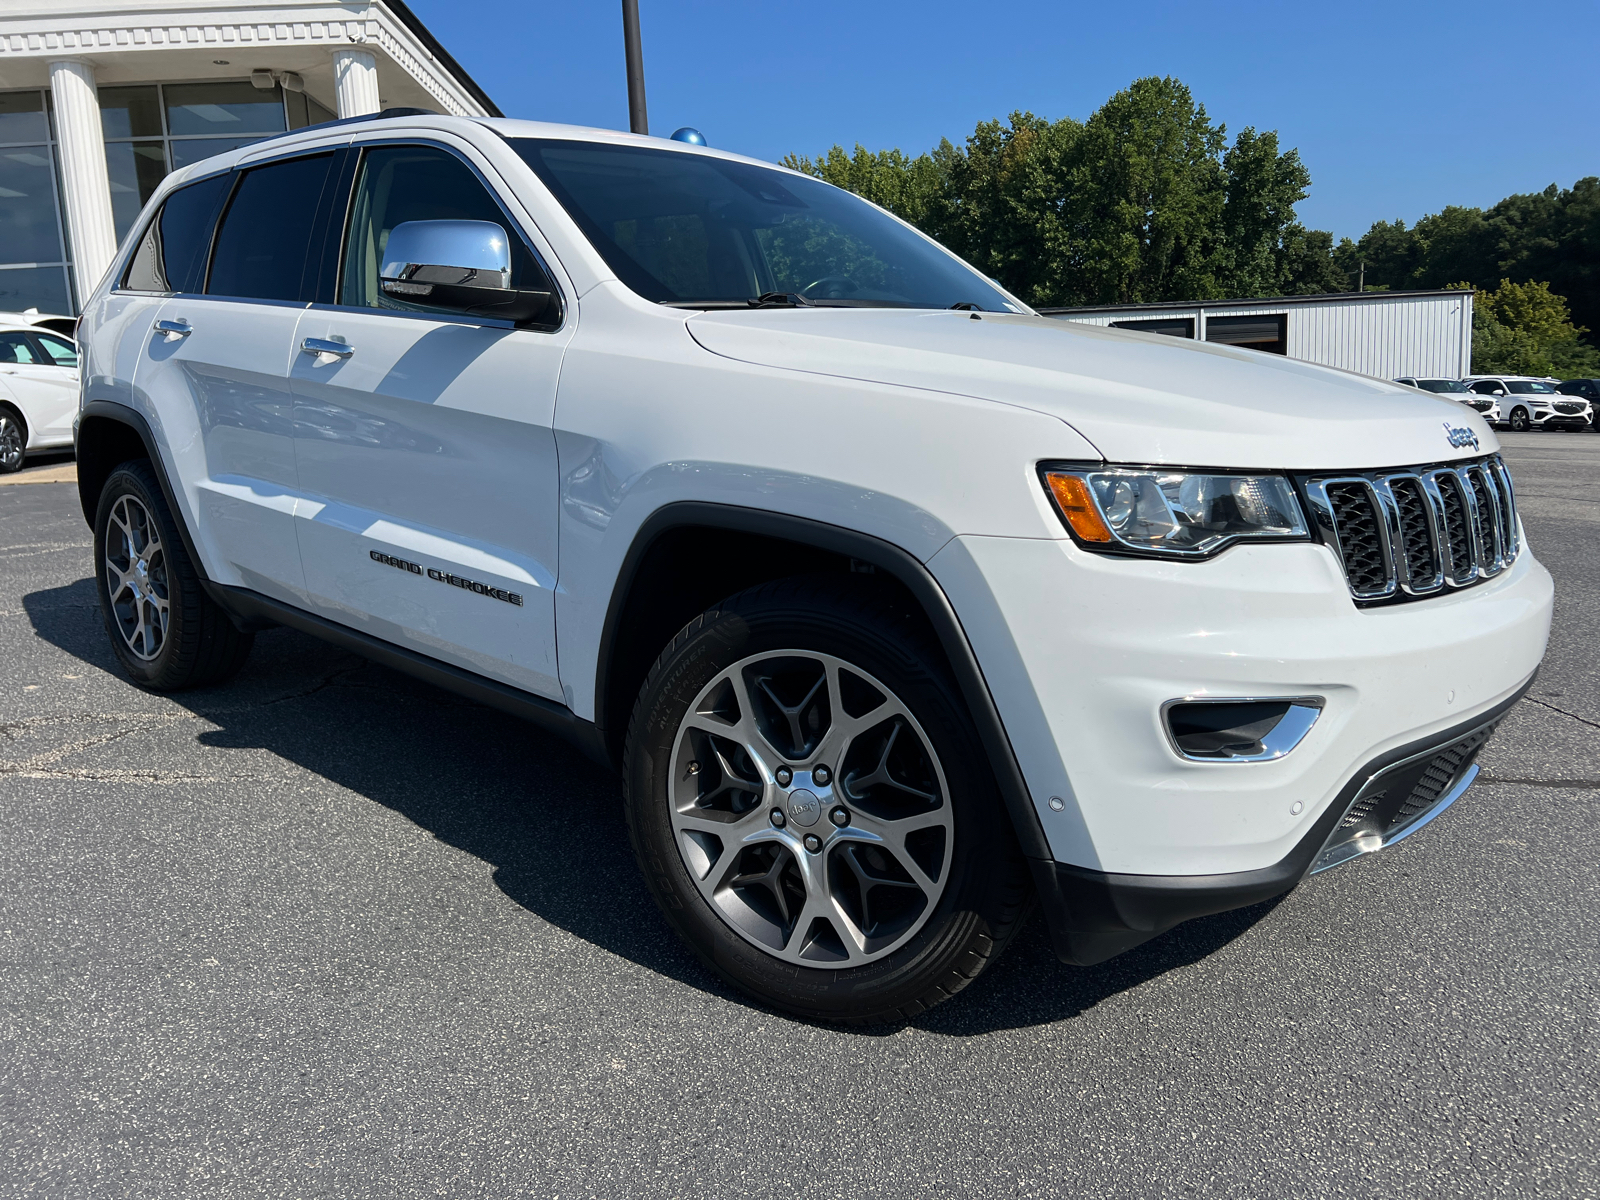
<point>1527,329</point>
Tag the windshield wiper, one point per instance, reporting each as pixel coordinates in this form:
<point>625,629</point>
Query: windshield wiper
<point>779,300</point>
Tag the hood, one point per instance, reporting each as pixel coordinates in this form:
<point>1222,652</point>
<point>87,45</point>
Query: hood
<point>1138,397</point>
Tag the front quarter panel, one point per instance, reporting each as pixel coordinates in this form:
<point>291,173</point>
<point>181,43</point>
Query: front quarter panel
<point>645,417</point>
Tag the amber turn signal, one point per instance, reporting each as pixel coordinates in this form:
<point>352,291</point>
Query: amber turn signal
<point>1078,507</point>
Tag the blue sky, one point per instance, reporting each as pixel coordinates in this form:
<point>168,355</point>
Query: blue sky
<point>1397,109</point>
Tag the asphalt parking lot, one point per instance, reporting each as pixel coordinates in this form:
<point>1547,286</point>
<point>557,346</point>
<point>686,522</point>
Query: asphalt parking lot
<point>326,932</point>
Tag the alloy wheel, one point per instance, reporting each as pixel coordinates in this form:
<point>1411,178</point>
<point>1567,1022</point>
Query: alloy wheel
<point>810,809</point>
<point>11,447</point>
<point>136,578</point>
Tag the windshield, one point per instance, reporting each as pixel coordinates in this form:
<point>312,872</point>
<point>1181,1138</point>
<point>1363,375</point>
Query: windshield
<point>1442,385</point>
<point>1527,387</point>
<point>690,229</point>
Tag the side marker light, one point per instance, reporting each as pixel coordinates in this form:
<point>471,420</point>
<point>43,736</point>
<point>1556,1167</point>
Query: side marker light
<point>1078,506</point>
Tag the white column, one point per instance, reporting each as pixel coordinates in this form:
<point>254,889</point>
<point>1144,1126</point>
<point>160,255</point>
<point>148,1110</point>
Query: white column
<point>355,80</point>
<point>84,183</point>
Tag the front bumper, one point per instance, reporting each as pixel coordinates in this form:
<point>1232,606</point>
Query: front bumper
<point>1094,915</point>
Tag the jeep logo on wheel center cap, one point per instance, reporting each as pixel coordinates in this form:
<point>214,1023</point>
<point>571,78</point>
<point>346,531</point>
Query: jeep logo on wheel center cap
<point>804,808</point>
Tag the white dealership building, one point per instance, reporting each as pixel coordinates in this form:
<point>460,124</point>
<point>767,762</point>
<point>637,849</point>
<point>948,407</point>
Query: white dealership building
<point>98,101</point>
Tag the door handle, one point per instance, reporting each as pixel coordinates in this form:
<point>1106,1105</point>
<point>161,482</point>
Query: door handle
<point>324,346</point>
<point>173,330</point>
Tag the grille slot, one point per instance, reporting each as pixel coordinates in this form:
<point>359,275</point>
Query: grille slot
<point>1416,533</point>
<point>1408,534</point>
<point>1361,540</point>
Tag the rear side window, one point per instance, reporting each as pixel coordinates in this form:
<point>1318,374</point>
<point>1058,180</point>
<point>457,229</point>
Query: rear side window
<point>419,183</point>
<point>265,237</point>
<point>172,255</point>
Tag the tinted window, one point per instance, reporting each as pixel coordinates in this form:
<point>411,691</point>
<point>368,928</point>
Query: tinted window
<point>418,183</point>
<point>1528,387</point>
<point>62,352</point>
<point>687,228</point>
<point>15,348</point>
<point>1486,387</point>
<point>172,254</point>
<point>265,235</point>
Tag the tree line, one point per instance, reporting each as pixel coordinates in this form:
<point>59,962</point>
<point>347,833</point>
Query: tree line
<point>1150,201</point>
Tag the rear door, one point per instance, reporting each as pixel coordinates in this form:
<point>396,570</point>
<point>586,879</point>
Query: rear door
<point>425,449</point>
<point>61,372</point>
<point>216,369</point>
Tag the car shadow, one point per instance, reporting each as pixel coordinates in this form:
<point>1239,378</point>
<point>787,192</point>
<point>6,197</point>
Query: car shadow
<point>546,820</point>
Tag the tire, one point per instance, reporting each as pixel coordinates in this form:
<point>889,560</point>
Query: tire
<point>166,632</point>
<point>13,440</point>
<point>1519,420</point>
<point>917,884</point>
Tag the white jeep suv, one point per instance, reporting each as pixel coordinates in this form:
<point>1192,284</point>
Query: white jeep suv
<point>897,606</point>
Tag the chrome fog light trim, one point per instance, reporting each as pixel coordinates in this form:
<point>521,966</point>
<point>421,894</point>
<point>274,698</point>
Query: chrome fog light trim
<point>1260,735</point>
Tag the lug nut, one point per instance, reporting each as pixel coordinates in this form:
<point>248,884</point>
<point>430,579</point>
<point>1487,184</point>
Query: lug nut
<point>694,768</point>
<point>822,775</point>
<point>783,775</point>
<point>813,842</point>
<point>840,816</point>
<point>778,819</point>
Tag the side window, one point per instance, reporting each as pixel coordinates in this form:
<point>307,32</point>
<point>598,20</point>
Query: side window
<point>265,236</point>
<point>16,348</point>
<point>418,183</point>
<point>60,351</point>
<point>172,254</point>
<point>1485,387</point>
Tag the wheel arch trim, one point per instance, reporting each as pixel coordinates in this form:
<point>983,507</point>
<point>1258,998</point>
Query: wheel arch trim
<point>895,561</point>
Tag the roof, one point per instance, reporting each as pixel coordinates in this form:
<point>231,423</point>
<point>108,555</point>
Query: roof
<point>414,23</point>
<point>1274,301</point>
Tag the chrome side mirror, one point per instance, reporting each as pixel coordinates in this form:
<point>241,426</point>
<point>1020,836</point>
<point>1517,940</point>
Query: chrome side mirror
<point>461,265</point>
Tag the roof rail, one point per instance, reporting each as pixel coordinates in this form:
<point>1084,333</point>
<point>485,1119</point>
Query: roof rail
<point>377,116</point>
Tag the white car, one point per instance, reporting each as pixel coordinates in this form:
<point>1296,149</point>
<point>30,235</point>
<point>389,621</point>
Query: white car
<point>896,605</point>
<point>1530,403</point>
<point>1485,406</point>
<point>38,392</point>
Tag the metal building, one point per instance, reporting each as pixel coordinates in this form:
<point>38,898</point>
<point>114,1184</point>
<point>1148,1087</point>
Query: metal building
<point>1387,334</point>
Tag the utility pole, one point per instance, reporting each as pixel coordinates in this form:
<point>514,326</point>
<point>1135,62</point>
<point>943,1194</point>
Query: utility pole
<point>1360,287</point>
<point>638,121</point>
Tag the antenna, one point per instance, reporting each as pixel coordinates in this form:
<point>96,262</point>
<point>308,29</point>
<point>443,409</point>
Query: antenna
<point>638,121</point>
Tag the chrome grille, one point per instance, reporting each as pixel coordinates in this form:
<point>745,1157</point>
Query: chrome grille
<point>1481,405</point>
<point>1567,406</point>
<point>1418,531</point>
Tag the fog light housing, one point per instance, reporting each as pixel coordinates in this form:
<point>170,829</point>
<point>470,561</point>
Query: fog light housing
<point>1247,729</point>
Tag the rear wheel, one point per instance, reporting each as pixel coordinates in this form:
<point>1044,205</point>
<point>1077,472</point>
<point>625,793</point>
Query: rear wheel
<point>166,632</point>
<point>13,440</point>
<point>812,810</point>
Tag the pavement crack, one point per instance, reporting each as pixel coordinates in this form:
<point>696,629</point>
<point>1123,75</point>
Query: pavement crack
<point>1563,712</point>
<point>1585,785</point>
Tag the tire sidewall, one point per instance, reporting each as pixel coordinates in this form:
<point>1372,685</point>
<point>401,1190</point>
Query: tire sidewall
<point>8,411</point>
<point>130,480</point>
<point>981,834</point>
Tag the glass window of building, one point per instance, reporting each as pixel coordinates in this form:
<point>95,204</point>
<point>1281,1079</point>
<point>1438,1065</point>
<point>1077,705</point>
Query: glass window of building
<point>33,263</point>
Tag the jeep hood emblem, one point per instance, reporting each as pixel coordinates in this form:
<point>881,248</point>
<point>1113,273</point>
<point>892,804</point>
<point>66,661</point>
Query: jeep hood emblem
<point>1459,436</point>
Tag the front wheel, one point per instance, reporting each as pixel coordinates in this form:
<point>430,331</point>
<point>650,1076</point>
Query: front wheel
<point>812,809</point>
<point>1519,420</point>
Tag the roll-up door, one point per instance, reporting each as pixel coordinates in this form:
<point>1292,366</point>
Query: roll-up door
<point>1171,326</point>
<point>1269,332</point>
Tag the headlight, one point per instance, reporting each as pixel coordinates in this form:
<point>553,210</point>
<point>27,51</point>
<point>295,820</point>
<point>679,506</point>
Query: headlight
<point>1176,514</point>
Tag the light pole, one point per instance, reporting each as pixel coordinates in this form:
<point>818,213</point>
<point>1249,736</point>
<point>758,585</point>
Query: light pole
<point>638,121</point>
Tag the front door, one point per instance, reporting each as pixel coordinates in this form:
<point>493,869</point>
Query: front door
<point>424,443</point>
